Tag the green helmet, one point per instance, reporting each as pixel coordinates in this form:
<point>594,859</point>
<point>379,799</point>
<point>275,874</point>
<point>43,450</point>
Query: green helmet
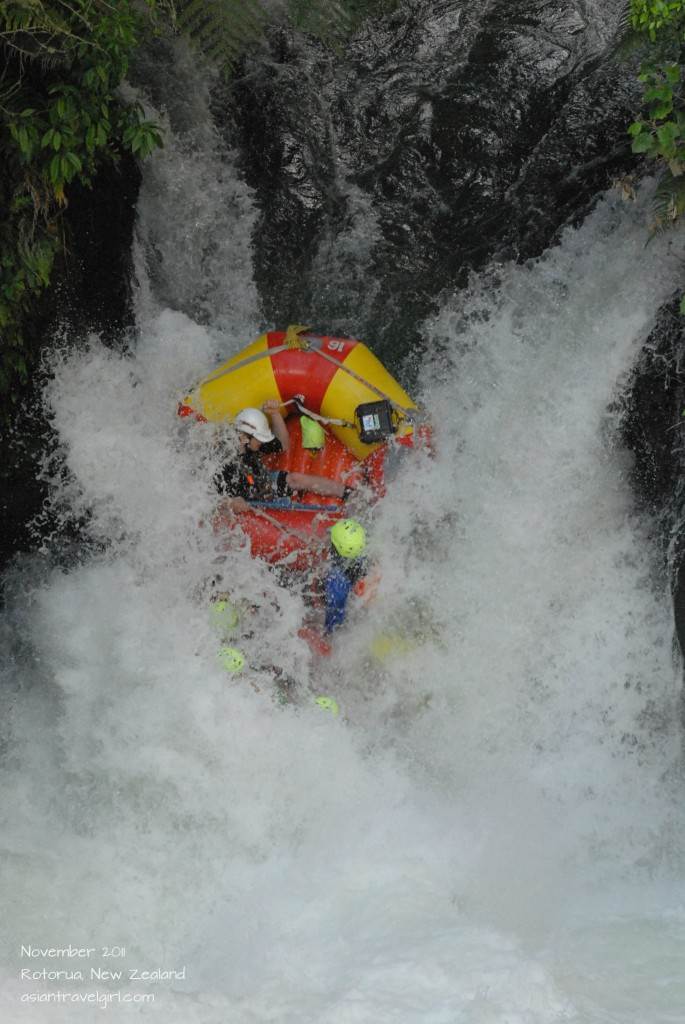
<point>223,616</point>
<point>348,537</point>
<point>313,434</point>
<point>328,704</point>
<point>231,659</point>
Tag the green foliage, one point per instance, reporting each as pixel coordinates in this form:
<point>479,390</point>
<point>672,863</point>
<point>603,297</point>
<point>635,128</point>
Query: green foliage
<point>60,120</point>
<point>669,199</point>
<point>657,18</point>
<point>329,22</point>
<point>222,29</point>
<point>659,133</point>
<point>61,117</point>
<point>62,124</point>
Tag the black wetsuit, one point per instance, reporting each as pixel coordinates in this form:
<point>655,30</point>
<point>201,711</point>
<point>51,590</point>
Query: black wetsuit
<point>247,477</point>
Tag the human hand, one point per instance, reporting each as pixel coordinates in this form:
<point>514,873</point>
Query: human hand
<point>233,505</point>
<point>271,406</point>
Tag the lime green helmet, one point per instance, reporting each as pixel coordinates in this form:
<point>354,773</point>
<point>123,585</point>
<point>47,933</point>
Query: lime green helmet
<point>387,645</point>
<point>313,434</point>
<point>231,659</point>
<point>223,616</point>
<point>328,704</point>
<point>348,537</point>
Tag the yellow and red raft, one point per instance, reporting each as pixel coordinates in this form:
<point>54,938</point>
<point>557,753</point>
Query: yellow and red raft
<point>331,378</point>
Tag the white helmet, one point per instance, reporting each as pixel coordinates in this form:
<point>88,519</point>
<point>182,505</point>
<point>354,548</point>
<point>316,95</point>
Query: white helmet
<point>254,423</point>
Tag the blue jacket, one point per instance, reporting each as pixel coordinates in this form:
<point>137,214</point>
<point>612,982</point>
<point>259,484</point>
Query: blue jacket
<point>339,581</point>
<point>337,587</point>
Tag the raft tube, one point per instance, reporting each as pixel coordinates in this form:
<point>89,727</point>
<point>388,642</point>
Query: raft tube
<point>329,377</point>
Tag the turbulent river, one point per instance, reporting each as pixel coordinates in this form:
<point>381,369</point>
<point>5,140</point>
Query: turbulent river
<point>491,832</point>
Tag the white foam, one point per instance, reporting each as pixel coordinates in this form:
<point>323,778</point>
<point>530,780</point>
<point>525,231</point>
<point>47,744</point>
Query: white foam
<point>492,820</point>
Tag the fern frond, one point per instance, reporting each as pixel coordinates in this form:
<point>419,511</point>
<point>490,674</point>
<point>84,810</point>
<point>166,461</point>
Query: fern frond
<point>186,12</point>
<point>629,42</point>
<point>224,29</point>
<point>625,20</point>
<point>668,204</point>
<point>628,39</point>
<point>222,12</point>
<point>329,22</point>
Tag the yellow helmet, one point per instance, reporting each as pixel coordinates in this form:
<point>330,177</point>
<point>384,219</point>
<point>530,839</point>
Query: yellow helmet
<point>328,704</point>
<point>313,434</point>
<point>223,616</point>
<point>231,659</point>
<point>348,537</point>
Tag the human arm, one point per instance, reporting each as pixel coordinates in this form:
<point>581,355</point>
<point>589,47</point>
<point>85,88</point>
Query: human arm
<point>317,484</point>
<point>272,408</point>
<point>232,484</point>
<point>233,505</point>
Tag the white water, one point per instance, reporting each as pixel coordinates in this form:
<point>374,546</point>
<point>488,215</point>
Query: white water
<point>492,831</point>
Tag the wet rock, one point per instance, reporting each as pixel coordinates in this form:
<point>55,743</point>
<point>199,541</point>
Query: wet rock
<point>92,292</point>
<point>443,135</point>
<point>654,430</point>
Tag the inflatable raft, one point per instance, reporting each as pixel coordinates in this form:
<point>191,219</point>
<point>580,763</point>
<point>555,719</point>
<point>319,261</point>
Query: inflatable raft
<point>369,421</point>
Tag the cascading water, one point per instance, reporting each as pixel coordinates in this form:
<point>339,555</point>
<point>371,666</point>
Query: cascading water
<point>492,830</point>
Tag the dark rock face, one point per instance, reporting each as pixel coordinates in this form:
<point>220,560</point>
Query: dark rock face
<point>91,293</point>
<point>444,136</point>
<point>95,285</point>
<point>654,429</point>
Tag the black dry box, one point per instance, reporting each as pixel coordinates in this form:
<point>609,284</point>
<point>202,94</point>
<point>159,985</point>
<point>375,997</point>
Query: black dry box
<point>375,421</point>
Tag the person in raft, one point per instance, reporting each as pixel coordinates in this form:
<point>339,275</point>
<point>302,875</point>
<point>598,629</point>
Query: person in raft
<point>246,478</point>
<point>347,569</point>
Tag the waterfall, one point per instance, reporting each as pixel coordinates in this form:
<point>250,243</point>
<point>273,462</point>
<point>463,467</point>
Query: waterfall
<point>491,831</point>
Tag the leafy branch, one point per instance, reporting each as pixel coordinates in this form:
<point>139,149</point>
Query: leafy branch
<point>659,133</point>
<point>61,119</point>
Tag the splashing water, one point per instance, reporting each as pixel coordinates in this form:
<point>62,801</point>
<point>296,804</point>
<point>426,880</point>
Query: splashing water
<point>491,831</point>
